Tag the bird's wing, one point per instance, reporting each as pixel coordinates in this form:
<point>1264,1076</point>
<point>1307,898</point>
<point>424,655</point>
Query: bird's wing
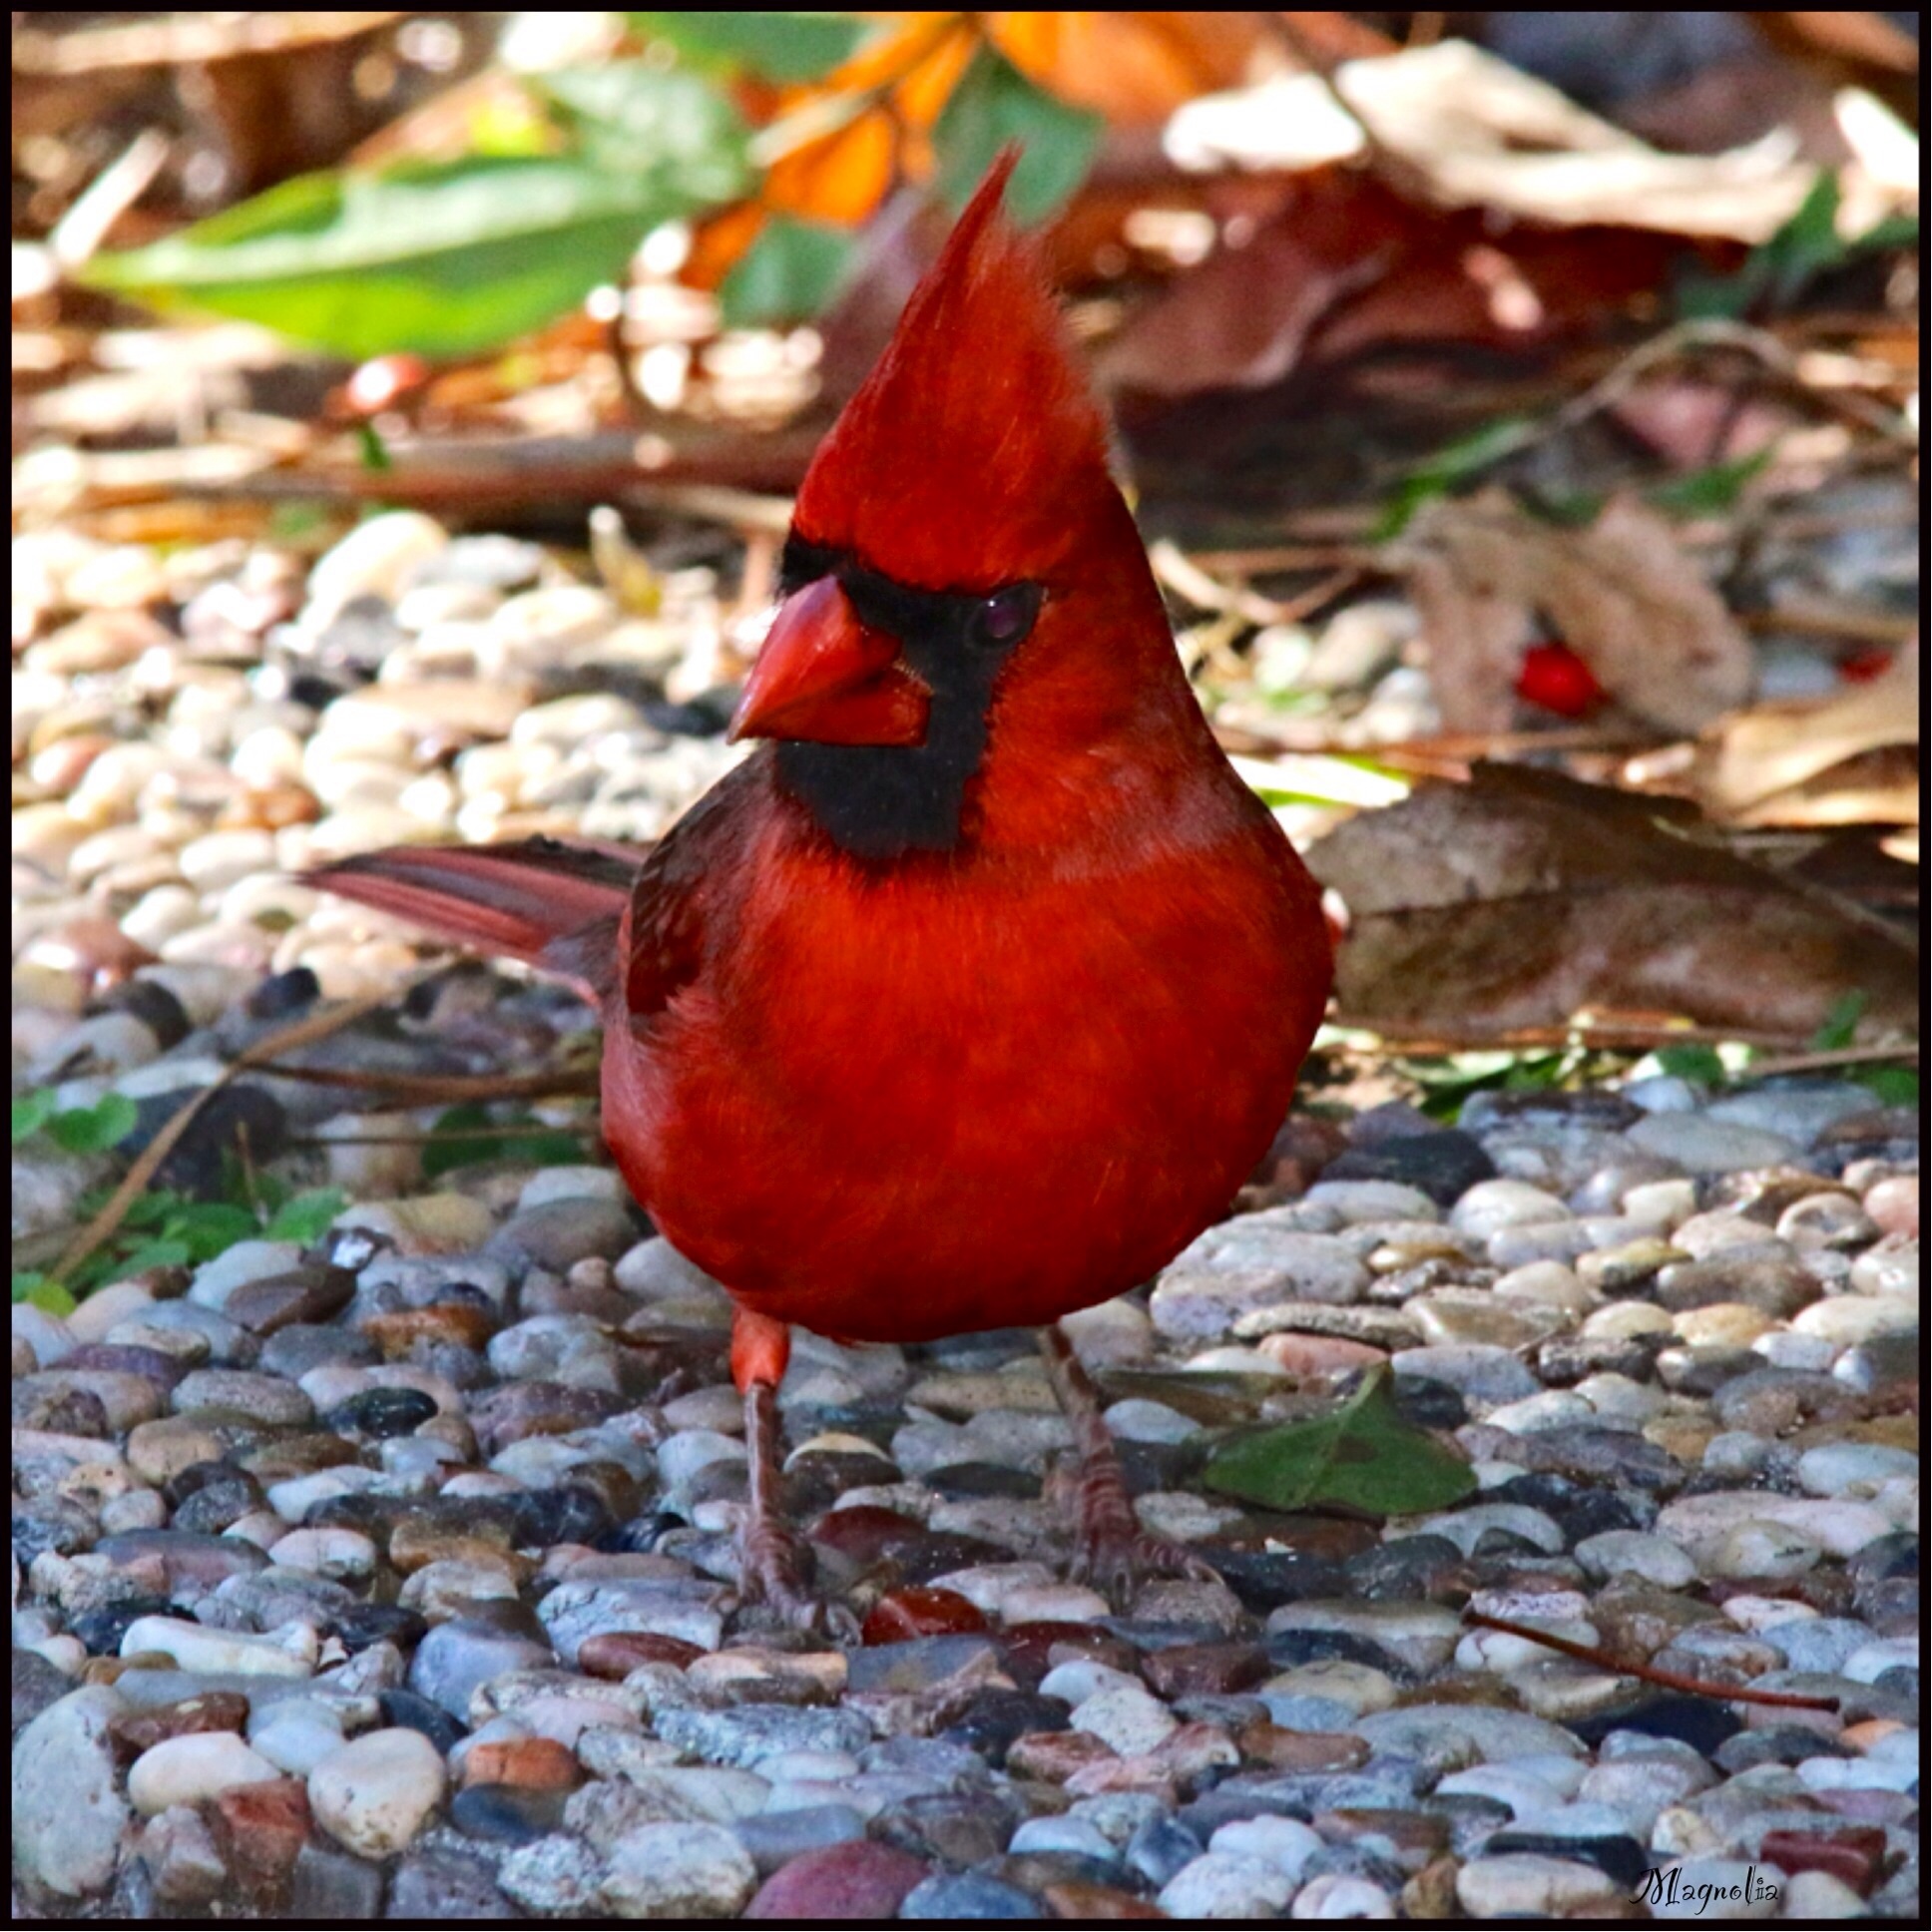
<point>555,906</point>
<point>676,896</point>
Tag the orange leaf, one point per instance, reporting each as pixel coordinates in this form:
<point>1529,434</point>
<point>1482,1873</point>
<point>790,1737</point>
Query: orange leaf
<point>1131,67</point>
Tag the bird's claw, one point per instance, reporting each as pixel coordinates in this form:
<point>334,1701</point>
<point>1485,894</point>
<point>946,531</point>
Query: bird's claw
<point>774,1571</point>
<point>1117,1564</point>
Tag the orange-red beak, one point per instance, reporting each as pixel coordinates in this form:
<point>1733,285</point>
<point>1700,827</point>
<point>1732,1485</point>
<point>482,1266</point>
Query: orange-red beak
<point>823,676</point>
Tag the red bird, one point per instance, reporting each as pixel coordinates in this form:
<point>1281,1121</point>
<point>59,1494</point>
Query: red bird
<point>973,995</point>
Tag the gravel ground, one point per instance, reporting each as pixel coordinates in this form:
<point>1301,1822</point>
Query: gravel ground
<point>391,1575</point>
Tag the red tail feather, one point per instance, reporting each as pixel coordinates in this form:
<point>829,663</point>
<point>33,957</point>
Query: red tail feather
<point>554,906</point>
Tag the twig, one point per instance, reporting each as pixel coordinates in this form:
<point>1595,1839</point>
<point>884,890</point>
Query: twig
<point>513,1130</point>
<point>1669,1680</point>
<point>425,1089</point>
<point>316,1026</point>
<point>1807,1063</point>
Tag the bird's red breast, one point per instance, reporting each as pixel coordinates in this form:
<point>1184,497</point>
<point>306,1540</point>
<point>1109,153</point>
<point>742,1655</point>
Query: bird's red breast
<point>976,991</point>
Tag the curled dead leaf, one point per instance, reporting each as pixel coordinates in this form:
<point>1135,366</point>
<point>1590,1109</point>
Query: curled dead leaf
<point>1488,577</point>
<point>1760,759</point>
<point>1523,898</point>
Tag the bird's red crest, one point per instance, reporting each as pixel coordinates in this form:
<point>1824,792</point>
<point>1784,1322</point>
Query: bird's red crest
<point>975,437</point>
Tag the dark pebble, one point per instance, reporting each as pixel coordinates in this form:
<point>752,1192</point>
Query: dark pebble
<point>1886,1557</point>
<point>1428,1404</point>
<point>962,1479</point>
<point>1703,1370</point>
<point>704,716</point>
<point>368,1624</point>
<point>381,1412</point>
<point>51,1523</point>
<point>1194,1670</point>
<point>993,1719</point>
<point>516,1410</point>
<point>544,1517</point>
<point>1034,1871</point>
<point>639,1536</point>
<point>102,1629</point>
<point>293,1351</point>
<point>1428,1569</point>
<point>1472,1820</point>
<point>1160,1846</point>
<point>1290,1648</point>
<point>969,1895</point>
<point>1444,1163</point>
<point>1265,1579</point>
<point>1565,1360</point>
<point>153,1005</point>
<point>164,1370</point>
<point>932,1555</point>
<point>505,1815</point>
<point>434,1886</point>
<point>217,1505</point>
<point>1776,1745</point>
<point>36,1685</point>
<point>406,1711</point>
<point>1701,1722</point>
<point>51,1404</point>
<point>951,1828</point>
<point>283,995</point>
<point>333,1885</point>
<point>1619,1857</point>
<point>307,1294</point>
<point>197,1163</point>
<point>1590,1106</point>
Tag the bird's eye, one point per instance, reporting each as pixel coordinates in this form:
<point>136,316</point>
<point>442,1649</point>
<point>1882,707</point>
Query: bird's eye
<point>999,622</point>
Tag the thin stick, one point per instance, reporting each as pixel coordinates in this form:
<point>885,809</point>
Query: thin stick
<point>1670,1679</point>
<point>424,1089</point>
<point>1807,1063</point>
<point>316,1026</point>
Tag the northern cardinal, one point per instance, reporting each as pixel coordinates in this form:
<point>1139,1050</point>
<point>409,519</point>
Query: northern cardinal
<point>974,994</point>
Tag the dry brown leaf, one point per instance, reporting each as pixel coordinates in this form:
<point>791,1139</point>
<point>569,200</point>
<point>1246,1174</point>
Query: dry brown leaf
<point>1488,577</point>
<point>1749,760</point>
<point>1524,898</point>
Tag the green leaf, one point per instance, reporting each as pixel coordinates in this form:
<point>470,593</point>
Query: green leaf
<point>1894,1086</point>
<point>790,274</point>
<point>442,260</point>
<point>1694,1062</point>
<point>149,1255</point>
<point>454,1142</point>
<point>93,1129</point>
<point>994,104</point>
<point>308,1216</point>
<point>31,1112</point>
<point>209,1227</point>
<point>1711,491</point>
<point>1455,464</point>
<point>1840,1025</point>
<point>42,1291</point>
<point>774,46</point>
<point>1364,1456</point>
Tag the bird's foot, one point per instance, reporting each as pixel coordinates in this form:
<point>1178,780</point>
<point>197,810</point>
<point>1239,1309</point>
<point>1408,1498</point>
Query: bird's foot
<point>1111,1549</point>
<point>775,1578</point>
<point>1112,1552</point>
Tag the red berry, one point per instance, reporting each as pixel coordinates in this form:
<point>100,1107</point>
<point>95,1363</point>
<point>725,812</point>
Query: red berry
<point>1554,676</point>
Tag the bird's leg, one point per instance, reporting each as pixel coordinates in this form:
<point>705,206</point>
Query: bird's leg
<point>774,1564</point>
<point>1112,1550</point>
